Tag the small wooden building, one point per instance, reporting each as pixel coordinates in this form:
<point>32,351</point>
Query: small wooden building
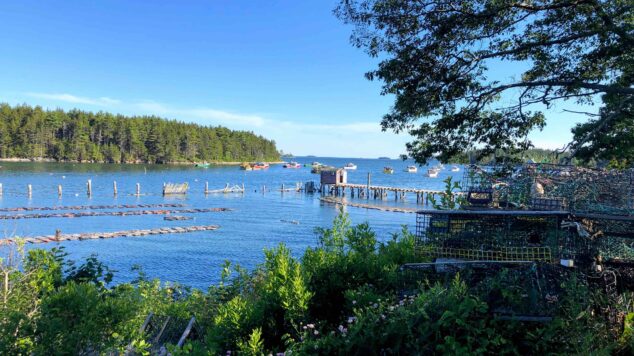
<point>338,176</point>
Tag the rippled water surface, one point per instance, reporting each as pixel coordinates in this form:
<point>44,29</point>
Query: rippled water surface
<point>258,220</point>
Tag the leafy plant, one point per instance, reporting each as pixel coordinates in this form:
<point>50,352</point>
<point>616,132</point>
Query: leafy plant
<point>449,199</point>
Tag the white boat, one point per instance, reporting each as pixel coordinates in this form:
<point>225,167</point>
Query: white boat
<point>292,165</point>
<point>455,169</point>
<point>388,170</point>
<point>411,169</point>
<point>350,166</point>
<point>433,172</point>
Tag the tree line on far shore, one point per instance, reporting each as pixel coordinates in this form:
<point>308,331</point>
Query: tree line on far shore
<point>537,155</point>
<point>75,135</point>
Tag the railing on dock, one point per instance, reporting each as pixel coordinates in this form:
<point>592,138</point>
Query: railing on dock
<point>380,192</point>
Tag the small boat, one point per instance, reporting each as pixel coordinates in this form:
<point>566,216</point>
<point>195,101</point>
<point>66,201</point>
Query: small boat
<point>246,166</point>
<point>202,165</point>
<point>292,165</point>
<point>411,169</point>
<point>260,166</point>
<point>433,172</point>
<point>350,166</point>
<point>388,170</point>
<point>455,169</point>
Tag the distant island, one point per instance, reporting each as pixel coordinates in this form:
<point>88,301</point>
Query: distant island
<point>384,158</point>
<point>33,133</point>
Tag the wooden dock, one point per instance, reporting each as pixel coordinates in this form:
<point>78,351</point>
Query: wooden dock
<point>381,192</point>
<point>109,235</point>
<point>82,214</point>
<point>90,207</point>
<point>340,201</point>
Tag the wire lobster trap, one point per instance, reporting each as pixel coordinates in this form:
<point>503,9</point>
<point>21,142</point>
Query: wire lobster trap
<point>514,290</point>
<point>481,184</point>
<point>610,237</point>
<point>602,192</point>
<point>492,235</point>
<point>543,186</point>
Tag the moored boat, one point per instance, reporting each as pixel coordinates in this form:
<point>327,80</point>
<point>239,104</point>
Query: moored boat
<point>246,166</point>
<point>388,170</point>
<point>433,172</point>
<point>202,165</point>
<point>314,164</point>
<point>292,165</point>
<point>411,169</point>
<point>455,169</point>
<point>350,166</point>
<point>260,166</point>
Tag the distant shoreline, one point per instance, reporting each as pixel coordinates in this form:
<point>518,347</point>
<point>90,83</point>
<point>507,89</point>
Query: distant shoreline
<point>51,160</point>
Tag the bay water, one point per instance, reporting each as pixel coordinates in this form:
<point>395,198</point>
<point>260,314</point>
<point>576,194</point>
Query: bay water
<point>258,219</point>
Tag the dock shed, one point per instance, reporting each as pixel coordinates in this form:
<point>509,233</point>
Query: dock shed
<point>338,176</point>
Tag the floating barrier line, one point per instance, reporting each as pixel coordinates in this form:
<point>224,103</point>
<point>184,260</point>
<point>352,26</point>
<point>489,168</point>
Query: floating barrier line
<point>111,213</point>
<point>109,235</point>
<point>332,200</point>
<point>91,207</point>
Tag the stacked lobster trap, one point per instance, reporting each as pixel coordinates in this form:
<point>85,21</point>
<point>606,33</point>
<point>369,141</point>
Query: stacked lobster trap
<point>596,207</point>
<point>496,235</point>
<point>538,222</point>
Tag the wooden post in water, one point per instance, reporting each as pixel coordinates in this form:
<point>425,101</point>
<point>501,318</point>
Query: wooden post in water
<point>282,188</point>
<point>242,188</point>
<point>368,185</point>
<point>89,187</point>
<point>114,188</point>
<point>138,189</point>
<point>206,188</point>
<point>30,190</point>
<point>0,189</point>
<point>59,190</point>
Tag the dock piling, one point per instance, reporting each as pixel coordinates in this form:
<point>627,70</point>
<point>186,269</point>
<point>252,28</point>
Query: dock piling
<point>114,187</point>
<point>89,187</point>
<point>30,190</point>
<point>59,190</point>
<point>0,189</point>
<point>138,189</point>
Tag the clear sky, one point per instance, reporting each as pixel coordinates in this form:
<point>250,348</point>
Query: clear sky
<point>282,68</point>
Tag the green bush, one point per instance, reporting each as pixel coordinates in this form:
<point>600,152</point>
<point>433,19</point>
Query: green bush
<point>344,296</point>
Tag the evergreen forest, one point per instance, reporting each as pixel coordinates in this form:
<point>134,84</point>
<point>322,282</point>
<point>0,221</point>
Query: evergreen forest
<point>80,136</point>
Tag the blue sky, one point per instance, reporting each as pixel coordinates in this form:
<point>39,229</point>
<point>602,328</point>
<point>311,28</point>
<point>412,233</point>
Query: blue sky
<point>283,69</point>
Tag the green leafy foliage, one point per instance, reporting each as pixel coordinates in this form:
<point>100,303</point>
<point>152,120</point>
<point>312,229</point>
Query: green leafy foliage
<point>344,296</point>
<point>448,199</point>
<point>440,61</point>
